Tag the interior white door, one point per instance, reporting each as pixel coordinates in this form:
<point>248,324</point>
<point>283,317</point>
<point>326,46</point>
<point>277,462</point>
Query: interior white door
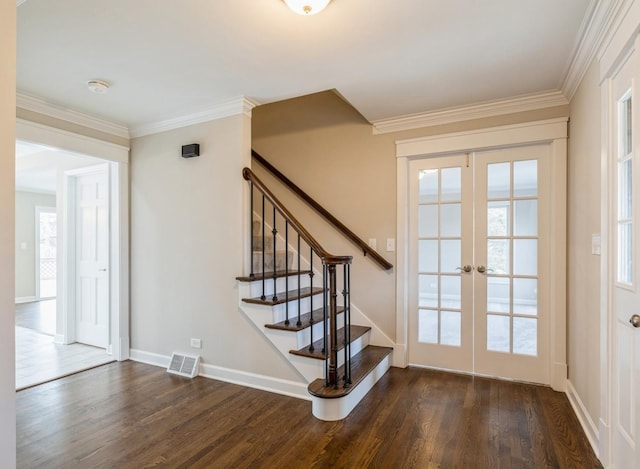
<point>477,263</point>
<point>626,296</point>
<point>92,257</point>
<point>441,263</point>
<point>512,263</point>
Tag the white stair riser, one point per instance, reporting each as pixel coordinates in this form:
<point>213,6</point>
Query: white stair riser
<point>338,409</point>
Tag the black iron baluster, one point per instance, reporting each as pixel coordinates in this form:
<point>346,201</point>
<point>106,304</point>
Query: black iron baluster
<point>311,347</point>
<point>346,298</point>
<point>299,323</point>
<point>286,273</point>
<point>325,325</point>
<point>252,274</point>
<point>333,334</point>
<point>275,278</point>
<point>263,297</point>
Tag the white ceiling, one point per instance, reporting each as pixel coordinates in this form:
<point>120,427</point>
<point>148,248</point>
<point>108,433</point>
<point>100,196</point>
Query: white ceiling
<point>38,166</point>
<point>170,58</point>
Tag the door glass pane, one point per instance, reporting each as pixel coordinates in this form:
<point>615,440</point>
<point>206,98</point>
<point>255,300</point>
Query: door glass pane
<point>498,294</point>
<point>525,256</point>
<point>450,332</point>
<point>525,336</point>
<point>498,218</point>
<point>450,252</point>
<point>428,326</point>
<point>428,221</point>
<point>451,220</point>
<point>525,296</point>
<point>428,290</point>
<point>498,256</point>
<point>498,333</point>
<point>499,180</point>
<point>525,218</point>
<point>428,255</point>
<point>428,185</point>
<point>450,293</point>
<point>525,178</point>
<point>451,184</point>
<point>625,266</point>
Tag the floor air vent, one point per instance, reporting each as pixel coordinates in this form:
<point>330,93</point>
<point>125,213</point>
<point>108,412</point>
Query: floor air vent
<point>183,365</point>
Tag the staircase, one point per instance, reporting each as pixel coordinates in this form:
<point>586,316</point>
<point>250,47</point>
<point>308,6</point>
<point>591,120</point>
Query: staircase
<point>305,311</point>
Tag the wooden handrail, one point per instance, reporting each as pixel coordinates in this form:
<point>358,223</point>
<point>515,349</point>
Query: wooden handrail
<point>327,258</point>
<point>366,249</point>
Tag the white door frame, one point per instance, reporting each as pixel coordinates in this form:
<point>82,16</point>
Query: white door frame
<point>118,157</point>
<point>624,37</point>
<point>553,132</point>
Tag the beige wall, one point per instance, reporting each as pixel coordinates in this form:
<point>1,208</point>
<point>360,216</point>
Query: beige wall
<point>7,233</point>
<point>26,203</point>
<point>583,268</point>
<point>187,222</point>
<point>323,145</point>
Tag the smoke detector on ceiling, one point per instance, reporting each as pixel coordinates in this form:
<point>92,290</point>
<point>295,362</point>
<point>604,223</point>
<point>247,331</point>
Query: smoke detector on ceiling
<point>98,86</point>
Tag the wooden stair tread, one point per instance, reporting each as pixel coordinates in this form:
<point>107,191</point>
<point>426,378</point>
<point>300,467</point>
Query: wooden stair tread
<point>282,297</point>
<point>304,321</point>
<point>361,366</point>
<point>271,275</point>
<point>356,332</point>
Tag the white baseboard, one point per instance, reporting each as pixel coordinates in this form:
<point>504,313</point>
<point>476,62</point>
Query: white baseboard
<point>243,378</point>
<point>587,423</point>
<point>25,299</point>
<point>559,377</point>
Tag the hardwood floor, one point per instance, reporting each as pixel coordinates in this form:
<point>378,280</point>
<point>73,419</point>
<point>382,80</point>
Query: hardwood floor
<point>131,415</point>
<point>38,358</point>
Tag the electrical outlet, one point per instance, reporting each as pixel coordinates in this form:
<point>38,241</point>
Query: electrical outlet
<point>196,343</point>
<point>391,244</point>
<point>373,243</point>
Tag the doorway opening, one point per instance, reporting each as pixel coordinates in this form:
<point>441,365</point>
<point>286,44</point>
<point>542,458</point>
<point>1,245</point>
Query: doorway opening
<point>47,345</point>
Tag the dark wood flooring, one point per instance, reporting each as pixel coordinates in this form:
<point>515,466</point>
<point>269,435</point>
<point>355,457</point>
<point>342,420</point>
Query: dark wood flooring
<point>131,415</point>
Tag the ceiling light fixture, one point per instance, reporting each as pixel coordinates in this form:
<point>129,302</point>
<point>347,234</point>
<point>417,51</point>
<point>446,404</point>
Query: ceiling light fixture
<point>98,86</point>
<point>307,7</point>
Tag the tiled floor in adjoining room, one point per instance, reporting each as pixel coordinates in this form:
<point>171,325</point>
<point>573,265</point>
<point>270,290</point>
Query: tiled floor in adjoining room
<point>38,358</point>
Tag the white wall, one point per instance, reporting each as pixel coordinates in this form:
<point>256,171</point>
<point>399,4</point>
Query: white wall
<point>26,203</point>
<point>583,268</point>
<point>187,222</point>
<point>7,233</point>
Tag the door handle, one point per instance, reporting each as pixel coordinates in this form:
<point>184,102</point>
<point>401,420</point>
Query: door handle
<point>102,270</point>
<point>635,320</point>
<point>467,268</point>
<point>482,269</point>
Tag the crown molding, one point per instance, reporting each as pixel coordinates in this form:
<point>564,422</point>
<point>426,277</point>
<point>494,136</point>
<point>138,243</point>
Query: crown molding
<point>31,103</point>
<point>475,111</point>
<point>595,26</point>
<point>232,107</point>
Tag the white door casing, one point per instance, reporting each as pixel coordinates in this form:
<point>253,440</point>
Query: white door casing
<point>118,158</point>
<point>550,133</point>
<point>92,214</point>
<point>624,278</point>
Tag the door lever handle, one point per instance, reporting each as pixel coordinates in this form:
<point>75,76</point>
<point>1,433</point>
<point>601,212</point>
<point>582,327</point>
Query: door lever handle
<point>467,268</point>
<point>635,320</point>
<point>482,269</point>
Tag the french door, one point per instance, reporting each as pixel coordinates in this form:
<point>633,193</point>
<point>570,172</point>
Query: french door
<point>478,301</point>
